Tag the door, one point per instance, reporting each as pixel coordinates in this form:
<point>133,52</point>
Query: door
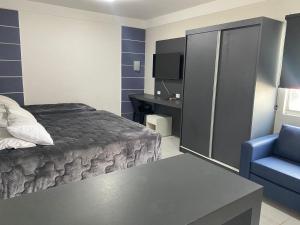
<point>198,91</point>
<point>235,93</point>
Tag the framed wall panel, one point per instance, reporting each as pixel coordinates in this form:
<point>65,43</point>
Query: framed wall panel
<point>11,83</point>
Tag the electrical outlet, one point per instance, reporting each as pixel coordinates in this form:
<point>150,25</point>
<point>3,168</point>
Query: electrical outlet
<point>137,66</point>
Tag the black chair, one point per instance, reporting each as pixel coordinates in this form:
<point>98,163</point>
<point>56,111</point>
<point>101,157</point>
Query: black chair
<point>140,110</point>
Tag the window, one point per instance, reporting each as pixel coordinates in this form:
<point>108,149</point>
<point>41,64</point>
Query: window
<point>293,101</point>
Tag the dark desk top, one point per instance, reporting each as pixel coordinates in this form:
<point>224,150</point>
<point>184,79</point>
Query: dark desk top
<point>173,191</point>
<point>157,100</point>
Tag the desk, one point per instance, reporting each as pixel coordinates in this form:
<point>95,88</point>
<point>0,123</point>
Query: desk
<point>157,100</point>
<point>161,106</point>
<point>182,190</point>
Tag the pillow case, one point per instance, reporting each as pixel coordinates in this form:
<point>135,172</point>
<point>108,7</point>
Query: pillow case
<point>7,141</point>
<point>17,111</point>
<point>288,143</point>
<point>3,116</point>
<point>28,130</point>
<point>7,101</point>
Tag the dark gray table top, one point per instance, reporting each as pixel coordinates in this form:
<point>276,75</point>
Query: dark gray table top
<point>174,191</point>
<point>158,100</point>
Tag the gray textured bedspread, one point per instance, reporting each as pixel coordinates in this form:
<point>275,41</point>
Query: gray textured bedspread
<point>87,144</point>
<point>58,108</point>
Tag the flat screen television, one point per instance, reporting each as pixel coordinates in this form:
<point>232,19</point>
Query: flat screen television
<point>167,66</point>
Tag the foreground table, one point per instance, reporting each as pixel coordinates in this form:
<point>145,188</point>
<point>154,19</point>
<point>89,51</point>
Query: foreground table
<point>176,191</point>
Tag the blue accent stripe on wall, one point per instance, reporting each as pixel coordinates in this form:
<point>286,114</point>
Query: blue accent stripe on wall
<point>16,96</point>
<point>127,71</point>
<point>132,33</point>
<point>128,58</point>
<point>126,93</point>
<point>10,68</point>
<point>10,52</point>
<point>128,116</point>
<point>9,35</point>
<point>9,18</point>
<point>11,83</point>
<point>133,49</point>
<point>132,83</point>
<point>127,107</point>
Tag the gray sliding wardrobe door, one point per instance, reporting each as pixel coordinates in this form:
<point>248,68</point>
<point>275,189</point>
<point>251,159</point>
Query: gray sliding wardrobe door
<point>198,91</point>
<point>235,92</point>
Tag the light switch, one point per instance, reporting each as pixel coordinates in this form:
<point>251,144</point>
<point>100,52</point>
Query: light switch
<point>137,66</point>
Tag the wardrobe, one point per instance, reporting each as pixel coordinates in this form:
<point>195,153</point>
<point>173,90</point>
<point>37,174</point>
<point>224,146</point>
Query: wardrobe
<point>230,87</point>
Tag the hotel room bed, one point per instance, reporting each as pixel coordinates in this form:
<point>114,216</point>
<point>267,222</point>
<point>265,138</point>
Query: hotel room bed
<point>87,143</point>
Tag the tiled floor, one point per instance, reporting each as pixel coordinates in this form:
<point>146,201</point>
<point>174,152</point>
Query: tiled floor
<point>271,213</point>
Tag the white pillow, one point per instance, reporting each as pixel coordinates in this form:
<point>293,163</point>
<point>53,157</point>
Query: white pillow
<point>28,130</point>
<point>3,116</point>
<point>7,101</point>
<point>8,142</point>
<point>17,111</point>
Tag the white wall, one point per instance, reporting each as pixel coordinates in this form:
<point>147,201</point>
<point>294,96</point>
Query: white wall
<point>70,55</point>
<point>276,9</point>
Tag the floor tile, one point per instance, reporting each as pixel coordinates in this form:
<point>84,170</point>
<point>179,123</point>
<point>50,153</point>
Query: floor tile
<point>292,221</point>
<point>266,221</point>
<point>273,214</point>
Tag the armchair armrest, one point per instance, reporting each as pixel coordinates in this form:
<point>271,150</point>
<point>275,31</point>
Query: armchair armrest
<point>255,149</point>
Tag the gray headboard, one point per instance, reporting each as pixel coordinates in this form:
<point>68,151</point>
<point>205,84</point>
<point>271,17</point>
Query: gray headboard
<point>11,83</point>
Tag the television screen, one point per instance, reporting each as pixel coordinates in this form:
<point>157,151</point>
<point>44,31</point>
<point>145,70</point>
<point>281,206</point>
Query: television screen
<point>167,66</point>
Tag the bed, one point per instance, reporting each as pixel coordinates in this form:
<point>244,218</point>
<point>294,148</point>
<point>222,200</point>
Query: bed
<point>87,143</point>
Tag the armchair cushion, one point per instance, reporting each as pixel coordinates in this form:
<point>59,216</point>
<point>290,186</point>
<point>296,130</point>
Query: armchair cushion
<point>278,170</point>
<point>288,143</point>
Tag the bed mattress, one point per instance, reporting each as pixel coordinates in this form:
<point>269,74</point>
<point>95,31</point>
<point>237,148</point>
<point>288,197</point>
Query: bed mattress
<point>58,108</point>
<point>87,143</point>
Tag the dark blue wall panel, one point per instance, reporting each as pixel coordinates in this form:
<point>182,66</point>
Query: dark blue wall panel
<point>128,58</point>
<point>16,96</point>
<point>133,46</point>
<point>10,68</point>
<point>127,71</point>
<point>133,49</point>
<point>9,18</point>
<point>11,83</point>
<point>10,52</point>
<point>127,107</point>
<point>128,115</point>
<point>126,93</point>
<point>132,33</point>
<point>133,83</point>
<point>9,35</point>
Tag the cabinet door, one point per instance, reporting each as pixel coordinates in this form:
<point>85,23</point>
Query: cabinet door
<point>235,93</point>
<point>198,91</point>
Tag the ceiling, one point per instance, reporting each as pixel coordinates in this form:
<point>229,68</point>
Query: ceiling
<point>140,9</point>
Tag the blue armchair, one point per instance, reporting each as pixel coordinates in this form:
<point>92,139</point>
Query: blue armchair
<point>274,162</point>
